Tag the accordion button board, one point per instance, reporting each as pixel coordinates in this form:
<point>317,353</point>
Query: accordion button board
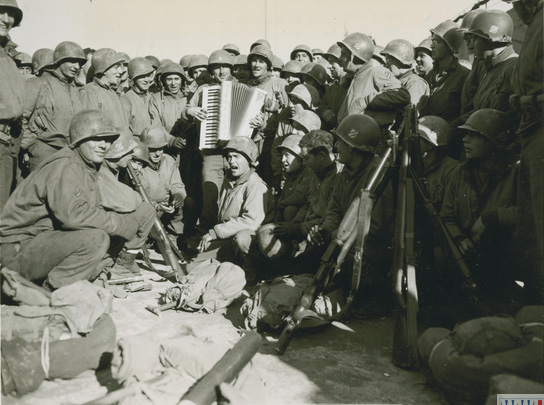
<point>229,106</point>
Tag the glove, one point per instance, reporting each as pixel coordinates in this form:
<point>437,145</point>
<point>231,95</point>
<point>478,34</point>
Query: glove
<point>177,200</point>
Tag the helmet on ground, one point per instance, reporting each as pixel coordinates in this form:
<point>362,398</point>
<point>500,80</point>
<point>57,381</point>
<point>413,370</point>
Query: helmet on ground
<point>317,138</point>
<point>155,62</point>
<point>360,132</point>
<point>260,42</point>
<point>23,59</point>
<point>487,122</point>
<point>68,50</point>
<point>293,67</point>
<point>468,18</point>
<point>277,63</point>
<point>425,46</point>
<point>302,48</point>
<point>88,124</point>
<point>262,51</point>
<point>317,51</point>
<point>493,25</point>
<point>315,71</point>
<point>42,58</point>
<point>185,61</point>
<point>270,246</point>
<point>434,129</point>
<point>307,93</point>
<point>240,60</point>
<point>220,57</point>
<point>401,50</point>
<point>333,51</point>
<point>291,143</point>
<point>244,146</point>
<point>122,146</point>
<point>13,6</point>
<point>309,120</point>
<point>450,33</point>
<point>173,68</point>
<point>155,137</point>
<point>141,153</point>
<point>360,45</point>
<point>232,48</point>
<point>198,61</point>
<point>138,67</point>
<point>103,59</point>
<point>125,57</point>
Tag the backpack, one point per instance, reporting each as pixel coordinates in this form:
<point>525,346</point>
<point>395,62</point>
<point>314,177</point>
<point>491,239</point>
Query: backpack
<point>208,287</point>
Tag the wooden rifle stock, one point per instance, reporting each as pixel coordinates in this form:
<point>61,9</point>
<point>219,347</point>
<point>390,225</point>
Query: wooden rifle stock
<point>168,253</point>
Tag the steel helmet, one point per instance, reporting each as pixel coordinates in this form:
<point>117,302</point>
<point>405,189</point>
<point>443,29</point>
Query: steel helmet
<point>277,63</point>
<point>103,59</point>
<point>155,62</point>
<point>41,59</point>
<point>198,61</point>
<point>23,58</point>
<point>125,57</point>
<point>141,153</point>
<point>262,51</point>
<point>240,60</point>
<point>232,48</point>
<point>292,66</point>
<point>69,50</point>
<point>291,143</point>
<point>434,129</point>
<point>122,146</point>
<point>424,45</point>
<point>487,122</point>
<point>454,39</point>
<point>139,67</point>
<point>244,146</point>
<point>377,54</point>
<point>360,132</point>
<point>360,45</point>
<point>493,25</point>
<point>317,51</point>
<point>302,48</point>
<point>317,138</point>
<point>165,61</point>
<point>155,137</point>
<point>173,68</point>
<point>220,57</point>
<point>260,42</point>
<point>315,71</point>
<point>468,18</point>
<point>185,61</point>
<point>270,246</point>
<point>333,51</point>
<point>401,50</point>
<point>18,13</point>
<point>309,120</point>
<point>307,93</point>
<point>88,124</point>
<point>441,31</point>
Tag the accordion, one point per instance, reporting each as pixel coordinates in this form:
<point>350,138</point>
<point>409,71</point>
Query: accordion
<point>230,106</point>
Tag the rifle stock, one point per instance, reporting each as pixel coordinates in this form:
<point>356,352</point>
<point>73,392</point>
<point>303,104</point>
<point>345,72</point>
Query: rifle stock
<point>168,253</point>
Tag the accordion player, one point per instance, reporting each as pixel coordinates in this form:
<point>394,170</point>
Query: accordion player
<point>230,106</point>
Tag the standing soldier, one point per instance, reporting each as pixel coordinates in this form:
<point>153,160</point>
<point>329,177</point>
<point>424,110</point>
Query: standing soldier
<point>24,63</point>
<point>101,93</point>
<point>136,101</point>
<point>318,54</point>
<point>232,49</point>
<point>196,71</point>
<point>302,53</point>
<point>49,111</point>
<point>124,84</point>
<point>12,86</point>
<point>241,69</point>
<point>42,60</point>
<point>424,58</point>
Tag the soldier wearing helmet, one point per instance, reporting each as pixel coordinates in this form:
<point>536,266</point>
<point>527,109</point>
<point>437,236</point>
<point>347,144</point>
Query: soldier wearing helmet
<point>165,107</point>
<point>290,73</point>
<point>232,49</point>
<point>50,108</point>
<point>42,60</point>
<point>399,59</point>
<point>447,77</point>
<point>101,92</point>
<point>369,82</point>
<point>277,65</point>
<point>335,92</point>
<point>54,226</point>
<point>124,84</point>
<point>12,89</point>
<point>424,57</point>
<point>24,63</point>
<point>481,214</point>
<point>197,74</point>
<point>241,69</point>
<point>136,101</point>
<point>244,203</point>
<point>303,54</point>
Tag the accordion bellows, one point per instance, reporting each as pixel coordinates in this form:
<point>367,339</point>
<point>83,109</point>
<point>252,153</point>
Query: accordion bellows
<point>230,106</point>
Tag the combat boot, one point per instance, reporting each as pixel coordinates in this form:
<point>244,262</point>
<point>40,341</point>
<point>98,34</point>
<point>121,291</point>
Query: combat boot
<point>127,260</point>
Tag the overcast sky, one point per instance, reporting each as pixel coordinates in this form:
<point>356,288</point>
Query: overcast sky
<point>173,28</point>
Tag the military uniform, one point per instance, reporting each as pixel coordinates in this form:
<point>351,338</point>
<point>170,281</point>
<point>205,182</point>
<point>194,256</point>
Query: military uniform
<point>165,108</point>
<point>293,194</point>
<point>136,106</point>
<point>96,95</point>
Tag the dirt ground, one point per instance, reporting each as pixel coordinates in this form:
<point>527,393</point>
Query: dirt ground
<point>331,365</point>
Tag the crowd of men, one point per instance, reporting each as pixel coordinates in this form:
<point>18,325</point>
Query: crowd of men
<point>73,119</point>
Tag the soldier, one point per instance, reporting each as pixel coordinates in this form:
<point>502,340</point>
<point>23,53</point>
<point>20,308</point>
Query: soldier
<point>317,53</point>
<point>53,226</point>
<point>465,54</point>
<point>124,84</point>
<point>277,66</point>
<point>155,62</point>
<point>424,58</point>
<point>241,69</point>
<point>12,86</point>
<point>232,49</point>
<point>24,63</point>
<point>336,91</point>
<point>303,54</point>
<point>136,101</point>
<point>42,60</point>
<point>101,93</point>
<point>49,108</point>
<point>290,73</point>
<point>263,42</point>
<point>197,72</point>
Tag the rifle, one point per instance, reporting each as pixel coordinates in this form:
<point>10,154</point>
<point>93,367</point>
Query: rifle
<point>354,227</point>
<point>404,258</point>
<point>169,251</point>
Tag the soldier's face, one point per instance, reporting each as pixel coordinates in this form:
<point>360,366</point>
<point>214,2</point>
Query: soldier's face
<point>155,154</point>
<point>424,63</point>
<point>334,67</point>
<point>221,72</point>
<point>94,149</point>
<point>258,66</point>
<point>237,164</point>
<point>242,73</point>
<point>142,83</point>
<point>112,76</point>
<point>474,145</point>
<point>26,70</point>
<point>302,57</point>
<point>481,46</point>
<point>198,71</point>
<point>439,48</point>
<point>173,83</point>
<point>69,68</point>
<point>344,151</point>
<point>317,58</point>
<point>7,19</point>
<point>290,161</point>
<point>345,60</point>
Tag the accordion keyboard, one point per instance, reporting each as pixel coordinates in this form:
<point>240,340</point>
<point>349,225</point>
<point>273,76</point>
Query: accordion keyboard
<point>209,129</point>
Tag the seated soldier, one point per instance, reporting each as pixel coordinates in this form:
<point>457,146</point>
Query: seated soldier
<point>479,207</point>
<point>54,227</point>
<point>162,181</point>
<point>244,204</point>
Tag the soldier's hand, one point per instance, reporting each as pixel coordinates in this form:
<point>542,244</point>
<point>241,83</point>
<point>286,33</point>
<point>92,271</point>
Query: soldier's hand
<point>165,208</point>
<point>177,200</point>
<point>179,143</point>
<point>329,116</point>
<point>283,229</point>
<point>257,122</point>
<point>315,237</point>
<point>204,243</point>
<point>466,246</point>
<point>197,113</point>
<point>477,230</point>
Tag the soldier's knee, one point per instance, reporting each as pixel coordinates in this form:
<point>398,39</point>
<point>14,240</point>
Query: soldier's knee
<point>95,240</point>
<point>242,241</point>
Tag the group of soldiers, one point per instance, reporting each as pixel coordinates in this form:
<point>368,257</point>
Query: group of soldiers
<point>72,121</point>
